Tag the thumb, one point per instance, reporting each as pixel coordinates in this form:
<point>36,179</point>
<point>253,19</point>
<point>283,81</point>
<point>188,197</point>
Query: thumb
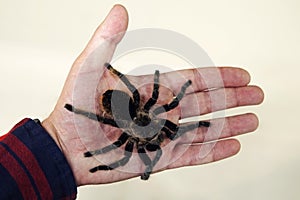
<point>112,28</point>
<point>99,50</point>
<point>104,40</point>
<point>115,23</point>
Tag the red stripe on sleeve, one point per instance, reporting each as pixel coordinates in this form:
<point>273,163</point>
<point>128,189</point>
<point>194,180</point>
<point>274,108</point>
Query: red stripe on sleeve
<point>31,164</point>
<point>16,171</point>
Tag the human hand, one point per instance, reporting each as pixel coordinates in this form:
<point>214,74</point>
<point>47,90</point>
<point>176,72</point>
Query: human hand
<point>67,128</point>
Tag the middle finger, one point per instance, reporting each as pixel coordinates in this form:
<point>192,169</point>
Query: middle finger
<point>206,102</point>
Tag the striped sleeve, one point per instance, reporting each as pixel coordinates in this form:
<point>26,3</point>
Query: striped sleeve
<point>32,166</point>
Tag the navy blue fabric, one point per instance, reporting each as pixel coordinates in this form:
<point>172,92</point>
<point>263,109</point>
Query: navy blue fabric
<point>8,187</point>
<point>49,157</point>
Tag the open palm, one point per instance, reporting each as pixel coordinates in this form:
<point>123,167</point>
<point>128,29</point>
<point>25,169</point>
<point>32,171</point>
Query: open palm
<point>76,134</point>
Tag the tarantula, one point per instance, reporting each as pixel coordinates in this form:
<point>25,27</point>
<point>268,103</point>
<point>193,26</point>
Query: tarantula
<point>140,125</point>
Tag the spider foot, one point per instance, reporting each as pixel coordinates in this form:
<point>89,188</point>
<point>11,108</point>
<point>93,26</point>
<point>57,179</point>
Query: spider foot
<point>100,167</point>
<point>203,123</point>
<point>69,107</point>
<point>145,176</point>
<point>88,154</point>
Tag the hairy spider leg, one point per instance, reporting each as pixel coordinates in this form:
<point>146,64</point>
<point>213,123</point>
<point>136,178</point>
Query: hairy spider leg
<point>180,130</point>
<point>132,88</point>
<point>121,140</point>
<point>188,127</point>
<point>147,161</point>
<point>170,125</point>
<point>154,161</point>
<point>90,115</point>
<point>155,92</point>
<point>127,155</point>
<point>175,102</point>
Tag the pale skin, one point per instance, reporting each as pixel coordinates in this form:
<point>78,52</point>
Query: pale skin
<point>60,124</point>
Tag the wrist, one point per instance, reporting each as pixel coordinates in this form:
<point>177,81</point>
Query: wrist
<point>52,131</point>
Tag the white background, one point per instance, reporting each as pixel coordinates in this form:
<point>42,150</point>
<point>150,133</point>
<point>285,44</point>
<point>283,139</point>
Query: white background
<point>40,39</point>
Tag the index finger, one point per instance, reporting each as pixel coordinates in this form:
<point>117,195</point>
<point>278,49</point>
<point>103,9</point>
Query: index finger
<point>205,78</point>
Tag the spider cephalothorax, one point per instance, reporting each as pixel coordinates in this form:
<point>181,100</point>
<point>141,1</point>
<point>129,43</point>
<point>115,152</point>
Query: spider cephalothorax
<point>140,125</point>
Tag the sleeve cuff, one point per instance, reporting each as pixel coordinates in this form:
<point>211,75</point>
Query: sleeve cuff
<point>46,165</point>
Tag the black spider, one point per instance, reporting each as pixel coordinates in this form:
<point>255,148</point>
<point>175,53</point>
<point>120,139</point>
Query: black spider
<point>140,124</point>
